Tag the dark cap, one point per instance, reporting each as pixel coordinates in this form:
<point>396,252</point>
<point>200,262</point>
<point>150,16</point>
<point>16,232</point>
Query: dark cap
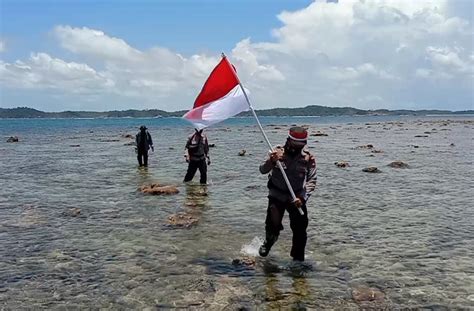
<point>143,127</point>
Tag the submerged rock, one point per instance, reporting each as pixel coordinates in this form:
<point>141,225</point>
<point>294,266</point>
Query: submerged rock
<point>421,136</point>
<point>342,164</point>
<point>368,146</point>
<point>398,164</point>
<point>12,139</point>
<point>212,145</point>
<point>376,151</point>
<point>128,136</point>
<point>242,152</point>
<point>371,169</point>
<point>364,293</point>
<point>74,146</point>
<point>244,261</point>
<point>157,189</point>
<point>182,220</point>
<point>318,133</point>
<point>73,212</point>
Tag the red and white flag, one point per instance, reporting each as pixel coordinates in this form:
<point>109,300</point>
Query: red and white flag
<point>221,97</point>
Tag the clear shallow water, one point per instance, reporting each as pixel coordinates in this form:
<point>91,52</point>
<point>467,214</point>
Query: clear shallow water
<point>406,232</point>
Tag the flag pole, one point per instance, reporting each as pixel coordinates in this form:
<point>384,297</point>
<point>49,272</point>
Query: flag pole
<point>287,181</point>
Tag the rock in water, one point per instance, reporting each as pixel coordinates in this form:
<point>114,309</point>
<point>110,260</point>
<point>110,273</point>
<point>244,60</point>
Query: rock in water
<point>130,136</point>
<point>399,164</point>
<point>182,220</point>
<point>244,261</point>
<point>342,164</point>
<point>368,146</point>
<point>364,293</point>
<point>157,189</point>
<point>242,152</point>
<point>371,169</point>
<point>73,212</point>
<point>12,139</point>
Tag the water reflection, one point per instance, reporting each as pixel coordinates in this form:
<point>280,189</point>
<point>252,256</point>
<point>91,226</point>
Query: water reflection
<point>278,295</point>
<point>196,198</point>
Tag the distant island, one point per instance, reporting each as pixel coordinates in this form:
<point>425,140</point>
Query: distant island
<point>314,110</point>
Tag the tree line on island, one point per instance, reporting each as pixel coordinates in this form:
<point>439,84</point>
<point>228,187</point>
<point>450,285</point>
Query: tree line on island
<point>314,110</point>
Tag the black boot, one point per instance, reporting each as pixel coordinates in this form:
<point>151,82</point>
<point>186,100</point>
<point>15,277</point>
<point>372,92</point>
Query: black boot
<point>267,245</point>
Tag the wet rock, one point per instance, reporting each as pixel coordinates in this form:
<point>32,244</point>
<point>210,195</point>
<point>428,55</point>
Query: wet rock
<point>73,212</point>
<point>12,139</point>
<point>452,145</point>
<point>212,145</point>
<point>368,146</point>
<point>157,189</point>
<point>371,169</point>
<point>427,132</point>
<point>342,164</point>
<point>421,136</point>
<point>132,143</point>
<point>130,136</point>
<point>182,220</point>
<point>253,187</point>
<point>415,146</point>
<point>398,164</point>
<point>74,146</point>
<point>242,152</point>
<point>244,261</point>
<point>365,293</point>
<point>376,151</point>
<point>202,285</point>
<point>318,133</point>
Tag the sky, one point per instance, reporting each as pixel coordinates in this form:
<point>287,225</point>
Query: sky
<point>114,55</point>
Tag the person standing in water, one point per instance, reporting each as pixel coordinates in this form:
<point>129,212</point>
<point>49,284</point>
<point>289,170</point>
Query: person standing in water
<point>300,167</point>
<point>196,153</point>
<point>144,143</point>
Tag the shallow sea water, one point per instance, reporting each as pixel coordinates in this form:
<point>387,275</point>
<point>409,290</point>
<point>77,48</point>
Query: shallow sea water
<point>75,233</point>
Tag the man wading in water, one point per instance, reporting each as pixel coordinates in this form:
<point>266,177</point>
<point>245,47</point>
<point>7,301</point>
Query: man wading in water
<point>144,142</point>
<point>196,152</point>
<point>300,167</point>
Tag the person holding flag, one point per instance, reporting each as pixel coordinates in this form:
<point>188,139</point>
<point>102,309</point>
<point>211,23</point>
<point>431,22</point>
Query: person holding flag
<point>300,168</point>
<point>223,96</point>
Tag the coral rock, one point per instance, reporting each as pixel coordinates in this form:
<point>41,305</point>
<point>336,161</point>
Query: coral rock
<point>157,189</point>
<point>371,169</point>
<point>12,139</point>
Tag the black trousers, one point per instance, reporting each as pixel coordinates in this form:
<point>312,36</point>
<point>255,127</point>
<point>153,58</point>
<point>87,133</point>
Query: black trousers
<point>193,167</point>
<point>142,157</point>
<point>298,224</point>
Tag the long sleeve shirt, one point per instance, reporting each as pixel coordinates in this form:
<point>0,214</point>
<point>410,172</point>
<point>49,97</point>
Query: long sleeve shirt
<point>300,170</point>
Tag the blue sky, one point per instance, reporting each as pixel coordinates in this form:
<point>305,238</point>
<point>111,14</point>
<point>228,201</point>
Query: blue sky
<point>103,55</point>
<point>186,26</point>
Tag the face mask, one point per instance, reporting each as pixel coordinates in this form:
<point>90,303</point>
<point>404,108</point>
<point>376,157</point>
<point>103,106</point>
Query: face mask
<point>292,149</point>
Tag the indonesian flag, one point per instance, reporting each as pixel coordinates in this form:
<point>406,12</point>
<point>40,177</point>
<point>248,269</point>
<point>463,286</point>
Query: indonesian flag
<point>221,97</point>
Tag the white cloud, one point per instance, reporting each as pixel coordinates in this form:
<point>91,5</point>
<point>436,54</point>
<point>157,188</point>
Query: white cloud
<point>41,71</point>
<point>368,54</point>
<point>2,46</point>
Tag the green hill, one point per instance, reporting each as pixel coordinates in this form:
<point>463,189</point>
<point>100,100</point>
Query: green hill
<point>24,112</point>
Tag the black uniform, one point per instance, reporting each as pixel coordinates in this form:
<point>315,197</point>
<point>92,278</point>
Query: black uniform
<point>144,142</point>
<point>301,171</point>
<point>197,148</point>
